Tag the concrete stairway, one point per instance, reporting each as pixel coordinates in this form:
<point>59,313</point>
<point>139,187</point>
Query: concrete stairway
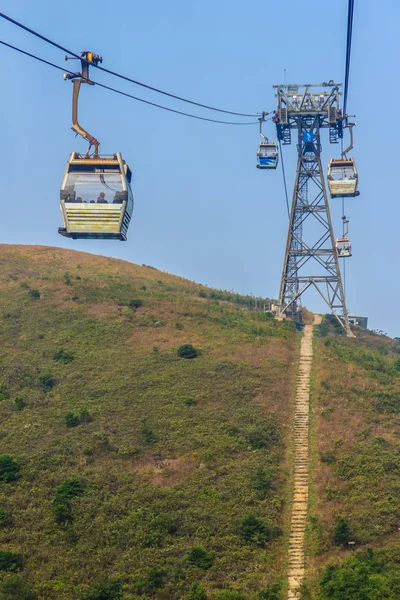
<point>296,566</point>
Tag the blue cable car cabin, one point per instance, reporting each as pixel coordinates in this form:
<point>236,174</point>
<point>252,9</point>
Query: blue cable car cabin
<point>96,199</point>
<point>267,156</point>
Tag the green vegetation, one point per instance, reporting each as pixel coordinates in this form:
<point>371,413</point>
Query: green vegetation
<point>9,468</point>
<point>365,576</point>
<point>356,494</point>
<point>66,491</point>
<point>197,591</point>
<point>187,351</point>
<point>199,557</point>
<point>77,416</point>
<point>9,561</point>
<point>14,587</point>
<point>19,403</point>
<point>105,590</point>
<point>123,498</point>
<point>135,303</point>
<point>5,517</point>
<point>63,356</point>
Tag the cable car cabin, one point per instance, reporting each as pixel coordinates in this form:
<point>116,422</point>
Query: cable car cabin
<point>342,178</point>
<point>343,247</point>
<point>96,198</point>
<point>267,156</point>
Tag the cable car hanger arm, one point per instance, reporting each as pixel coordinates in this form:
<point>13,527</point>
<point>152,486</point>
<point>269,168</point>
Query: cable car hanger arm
<point>350,127</point>
<point>78,78</point>
<point>261,120</point>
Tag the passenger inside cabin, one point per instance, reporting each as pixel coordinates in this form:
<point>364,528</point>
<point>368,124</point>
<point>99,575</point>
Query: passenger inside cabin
<point>102,198</point>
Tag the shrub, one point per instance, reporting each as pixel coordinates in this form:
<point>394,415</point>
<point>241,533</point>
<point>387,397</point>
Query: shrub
<point>66,491</point>
<point>178,325</point>
<point>5,517</point>
<point>71,419</point>
<point>328,458</point>
<point>14,588</point>
<point>189,402</point>
<point>341,534</point>
<point>105,590</point>
<point>187,351</point>
<point>199,557</point>
<point>135,303</point>
<point>363,576</point>
<point>254,531</point>
<point>262,437</point>
<point>47,382</point>
<point>63,356</point>
<point>148,434</point>
<point>197,591</point>
<point>75,417</point>
<point>273,592</point>
<point>34,294</point>
<point>67,278</point>
<point>231,595</point>
<point>9,469</point>
<point>9,561</point>
<point>262,482</point>
<point>153,581</point>
<point>202,294</point>
<point>19,403</point>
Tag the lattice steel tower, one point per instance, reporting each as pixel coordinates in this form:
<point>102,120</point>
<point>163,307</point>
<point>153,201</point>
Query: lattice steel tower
<point>310,258</point>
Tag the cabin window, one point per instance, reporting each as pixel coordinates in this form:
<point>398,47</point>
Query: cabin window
<point>94,187</point>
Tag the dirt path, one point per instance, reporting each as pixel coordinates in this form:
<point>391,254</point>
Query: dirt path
<point>296,566</point>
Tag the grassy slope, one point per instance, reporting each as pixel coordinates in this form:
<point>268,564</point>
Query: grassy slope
<point>146,459</point>
<point>356,447</point>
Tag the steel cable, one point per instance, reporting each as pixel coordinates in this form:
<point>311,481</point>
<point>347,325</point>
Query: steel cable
<point>107,87</point>
<point>124,77</point>
<point>350,14</point>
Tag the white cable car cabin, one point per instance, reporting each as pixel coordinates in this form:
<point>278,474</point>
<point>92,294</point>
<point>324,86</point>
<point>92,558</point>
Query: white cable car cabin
<point>96,198</point>
<point>343,247</point>
<point>267,156</point>
<point>343,178</point>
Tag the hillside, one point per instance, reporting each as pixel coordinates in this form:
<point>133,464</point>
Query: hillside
<point>137,473</point>
<point>355,469</point>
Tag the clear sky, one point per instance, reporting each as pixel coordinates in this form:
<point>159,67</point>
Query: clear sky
<point>202,209</point>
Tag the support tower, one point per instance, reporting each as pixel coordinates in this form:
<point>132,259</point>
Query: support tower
<point>310,257</point>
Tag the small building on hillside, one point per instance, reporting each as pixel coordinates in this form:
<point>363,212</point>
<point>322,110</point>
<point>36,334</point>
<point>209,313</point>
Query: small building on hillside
<point>361,321</point>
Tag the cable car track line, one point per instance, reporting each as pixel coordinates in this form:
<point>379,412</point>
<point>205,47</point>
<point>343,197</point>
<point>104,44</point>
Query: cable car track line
<point>124,77</point>
<point>107,87</point>
<point>350,15</point>
<point>284,178</point>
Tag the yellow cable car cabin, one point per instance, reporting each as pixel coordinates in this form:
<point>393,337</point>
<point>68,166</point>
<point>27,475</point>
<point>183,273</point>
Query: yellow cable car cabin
<point>343,247</point>
<point>96,198</point>
<point>343,178</point>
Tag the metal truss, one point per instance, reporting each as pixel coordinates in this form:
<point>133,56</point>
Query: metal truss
<point>310,257</point>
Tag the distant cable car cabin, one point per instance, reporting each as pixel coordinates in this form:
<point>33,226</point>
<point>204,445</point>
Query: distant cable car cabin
<point>343,247</point>
<point>267,154</point>
<point>342,173</point>
<point>96,199</point>
<point>343,178</point>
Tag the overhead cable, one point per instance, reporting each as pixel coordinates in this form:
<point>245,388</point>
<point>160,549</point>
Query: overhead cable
<point>350,14</point>
<point>144,85</point>
<point>107,87</point>
<point>284,179</point>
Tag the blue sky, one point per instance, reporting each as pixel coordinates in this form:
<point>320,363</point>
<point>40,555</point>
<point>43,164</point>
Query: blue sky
<point>202,209</point>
